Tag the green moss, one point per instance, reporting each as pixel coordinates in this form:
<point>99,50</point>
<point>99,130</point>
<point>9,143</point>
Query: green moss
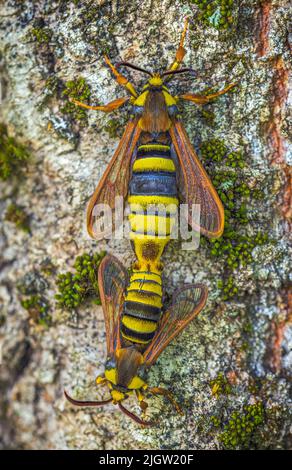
<point>18,216</point>
<point>91,13</point>
<point>234,248</point>
<point>13,155</point>
<point>32,287</point>
<point>79,90</point>
<point>41,35</point>
<point>238,431</point>
<point>112,127</point>
<point>207,115</point>
<point>248,327</point>
<point>227,287</point>
<point>47,267</point>
<point>62,92</point>
<point>38,309</point>
<point>215,421</point>
<point>52,89</point>
<point>217,13</point>
<point>82,285</point>
<point>220,385</point>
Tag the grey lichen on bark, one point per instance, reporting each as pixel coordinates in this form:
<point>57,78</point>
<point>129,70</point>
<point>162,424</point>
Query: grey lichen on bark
<point>233,362</point>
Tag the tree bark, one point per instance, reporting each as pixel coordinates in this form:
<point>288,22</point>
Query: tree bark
<point>233,362</point>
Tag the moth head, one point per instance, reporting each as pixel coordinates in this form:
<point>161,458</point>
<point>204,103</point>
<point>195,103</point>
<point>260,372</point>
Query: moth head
<point>155,81</point>
<point>124,375</point>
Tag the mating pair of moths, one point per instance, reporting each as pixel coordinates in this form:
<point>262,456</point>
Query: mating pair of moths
<point>154,164</point>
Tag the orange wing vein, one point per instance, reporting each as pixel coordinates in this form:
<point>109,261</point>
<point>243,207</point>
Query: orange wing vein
<point>112,282</point>
<point>115,180</point>
<point>187,304</point>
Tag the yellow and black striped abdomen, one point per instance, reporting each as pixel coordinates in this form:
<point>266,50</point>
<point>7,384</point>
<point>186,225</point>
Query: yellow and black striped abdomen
<point>153,203</point>
<point>153,209</point>
<point>142,307</point>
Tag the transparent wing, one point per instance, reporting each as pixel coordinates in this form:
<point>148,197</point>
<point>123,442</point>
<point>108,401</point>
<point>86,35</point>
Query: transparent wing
<point>112,281</point>
<point>115,180</point>
<point>195,186</point>
<point>187,304</point>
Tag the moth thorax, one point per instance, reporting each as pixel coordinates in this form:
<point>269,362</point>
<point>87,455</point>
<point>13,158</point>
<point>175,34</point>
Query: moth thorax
<point>155,117</point>
<point>128,361</point>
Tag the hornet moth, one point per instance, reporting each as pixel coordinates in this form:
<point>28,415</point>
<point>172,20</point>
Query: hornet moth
<point>154,164</point>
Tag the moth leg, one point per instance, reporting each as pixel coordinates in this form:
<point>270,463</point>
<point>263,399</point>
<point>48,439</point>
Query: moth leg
<point>180,52</point>
<point>203,99</point>
<point>143,405</point>
<point>123,81</point>
<point>107,108</point>
<point>167,394</point>
<point>100,380</point>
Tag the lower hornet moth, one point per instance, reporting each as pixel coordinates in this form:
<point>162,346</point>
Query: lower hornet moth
<point>154,164</point>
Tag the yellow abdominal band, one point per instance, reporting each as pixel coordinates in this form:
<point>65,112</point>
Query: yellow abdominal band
<point>153,212</point>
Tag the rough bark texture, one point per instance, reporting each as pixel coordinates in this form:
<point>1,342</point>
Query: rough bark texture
<point>232,364</point>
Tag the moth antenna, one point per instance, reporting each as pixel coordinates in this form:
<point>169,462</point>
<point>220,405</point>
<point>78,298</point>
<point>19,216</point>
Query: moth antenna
<point>175,72</point>
<point>86,403</point>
